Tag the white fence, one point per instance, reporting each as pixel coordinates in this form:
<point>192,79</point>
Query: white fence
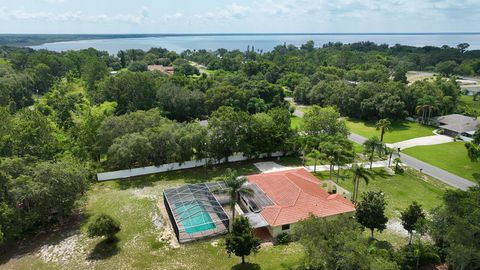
<point>124,174</point>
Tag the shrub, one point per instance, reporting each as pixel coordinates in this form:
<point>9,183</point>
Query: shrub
<point>138,66</point>
<point>417,255</point>
<point>103,225</point>
<point>283,238</point>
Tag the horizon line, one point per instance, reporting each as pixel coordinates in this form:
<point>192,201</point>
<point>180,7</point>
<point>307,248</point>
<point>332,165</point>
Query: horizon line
<point>246,33</point>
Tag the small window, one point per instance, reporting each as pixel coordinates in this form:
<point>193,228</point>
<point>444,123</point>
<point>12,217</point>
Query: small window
<point>285,227</point>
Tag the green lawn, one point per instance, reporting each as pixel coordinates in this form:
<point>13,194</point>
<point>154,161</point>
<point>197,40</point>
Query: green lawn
<point>451,157</point>
<point>296,122</point>
<point>469,102</point>
<point>135,203</point>
<point>400,130</point>
<point>400,190</point>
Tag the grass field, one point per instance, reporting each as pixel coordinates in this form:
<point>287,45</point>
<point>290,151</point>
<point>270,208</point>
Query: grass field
<point>451,157</point>
<point>400,190</point>
<point>135,204</point>
<point>296,122</point>
<point>469,102</point>
<point>400,130</point>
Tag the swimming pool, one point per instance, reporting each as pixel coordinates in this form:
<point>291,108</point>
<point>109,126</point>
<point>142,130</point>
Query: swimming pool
<point>194,217</point>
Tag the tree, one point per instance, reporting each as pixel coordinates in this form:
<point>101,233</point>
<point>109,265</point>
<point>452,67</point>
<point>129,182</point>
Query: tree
<point>236,188</point>
<point>138,66</point>
<point>103,225</point>
<point>359,172</point>
<point>179,103</point>
<point>410,216</point>
<point>131,90</point>
<point>455,228</point>
<point>473,151</point>
<point>398,163</point>
<point>228,130</point>
<point>241,241</point>
<point>389,151</point>
<point>31,133</point>
<point>384,126</point>
<point>462,47</point>
<point>316,155</point>
<point>371,211</point>
<point>446,68</point>
<point>93,70</point>
<point>373,145</point>
<point>326,121</point>
<point>336,243</point>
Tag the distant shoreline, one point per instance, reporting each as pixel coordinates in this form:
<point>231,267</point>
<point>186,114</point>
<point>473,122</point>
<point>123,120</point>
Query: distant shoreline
<point>20,40</point>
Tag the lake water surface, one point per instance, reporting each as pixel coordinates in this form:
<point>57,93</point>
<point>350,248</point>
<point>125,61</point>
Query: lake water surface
<point>265,42</point>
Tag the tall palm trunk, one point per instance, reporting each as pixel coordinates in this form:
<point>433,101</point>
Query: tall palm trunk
<point>381,134</point>
<point>371,156</point>
<point>338,172</point>
<point>331,169</point>
<point>233,206</point>
<point>315,166</point>
<point>355,189</point>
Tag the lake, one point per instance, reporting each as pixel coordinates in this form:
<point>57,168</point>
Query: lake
<point>265,42</point>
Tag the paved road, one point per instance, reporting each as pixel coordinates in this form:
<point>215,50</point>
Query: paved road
<point>442,175</point>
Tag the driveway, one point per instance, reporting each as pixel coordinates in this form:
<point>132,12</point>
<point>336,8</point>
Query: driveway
<point>270,166</point>
<point>428,140</point>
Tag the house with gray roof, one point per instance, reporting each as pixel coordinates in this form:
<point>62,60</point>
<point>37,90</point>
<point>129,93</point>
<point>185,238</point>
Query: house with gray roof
<point>457,125</point>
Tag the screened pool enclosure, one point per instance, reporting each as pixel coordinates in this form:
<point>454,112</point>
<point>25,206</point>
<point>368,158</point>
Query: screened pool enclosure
<point>196,211</point>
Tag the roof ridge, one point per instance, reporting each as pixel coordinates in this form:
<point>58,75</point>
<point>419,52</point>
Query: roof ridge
<point>279,208</point>
<point>301,189</point>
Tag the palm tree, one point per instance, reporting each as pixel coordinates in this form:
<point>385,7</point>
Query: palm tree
<point>316,155</point>
<point>426,106</point>
<point>359,172</point>
<point>397,162</point>
<point>389,151</point>
<point>384,126</point>
<point>343,157</point>
<point>371,145</point>
<point>235,186</point>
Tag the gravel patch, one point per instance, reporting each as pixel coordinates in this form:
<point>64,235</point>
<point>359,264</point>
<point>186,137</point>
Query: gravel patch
<point>69,250</point>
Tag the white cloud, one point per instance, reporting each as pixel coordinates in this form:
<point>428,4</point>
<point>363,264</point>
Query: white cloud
<point>74,16</point>
<point>231,12</point>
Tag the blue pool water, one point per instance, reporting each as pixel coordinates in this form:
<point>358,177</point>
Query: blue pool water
<point>194,217</point>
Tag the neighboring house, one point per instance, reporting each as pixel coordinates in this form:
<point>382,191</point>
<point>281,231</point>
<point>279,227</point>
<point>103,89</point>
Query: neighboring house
<point>281,199</point>
<point>457,125</point>
<point>163,69</point>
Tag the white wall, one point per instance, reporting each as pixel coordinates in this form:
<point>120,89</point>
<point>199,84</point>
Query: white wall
<point>123,174</point>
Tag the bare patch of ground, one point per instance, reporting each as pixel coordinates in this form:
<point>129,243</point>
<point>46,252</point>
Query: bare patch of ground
<point>69,250</point>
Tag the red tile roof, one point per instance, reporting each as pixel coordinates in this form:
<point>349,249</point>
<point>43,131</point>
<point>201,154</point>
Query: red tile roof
<point>296,194</point>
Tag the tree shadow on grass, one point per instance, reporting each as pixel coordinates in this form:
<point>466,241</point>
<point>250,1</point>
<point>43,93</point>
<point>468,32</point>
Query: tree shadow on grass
<point>476,176</point>
<point>104,249</point>
<point>246,266</point>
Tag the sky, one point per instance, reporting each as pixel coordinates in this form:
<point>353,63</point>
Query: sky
<point>239,16</point>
